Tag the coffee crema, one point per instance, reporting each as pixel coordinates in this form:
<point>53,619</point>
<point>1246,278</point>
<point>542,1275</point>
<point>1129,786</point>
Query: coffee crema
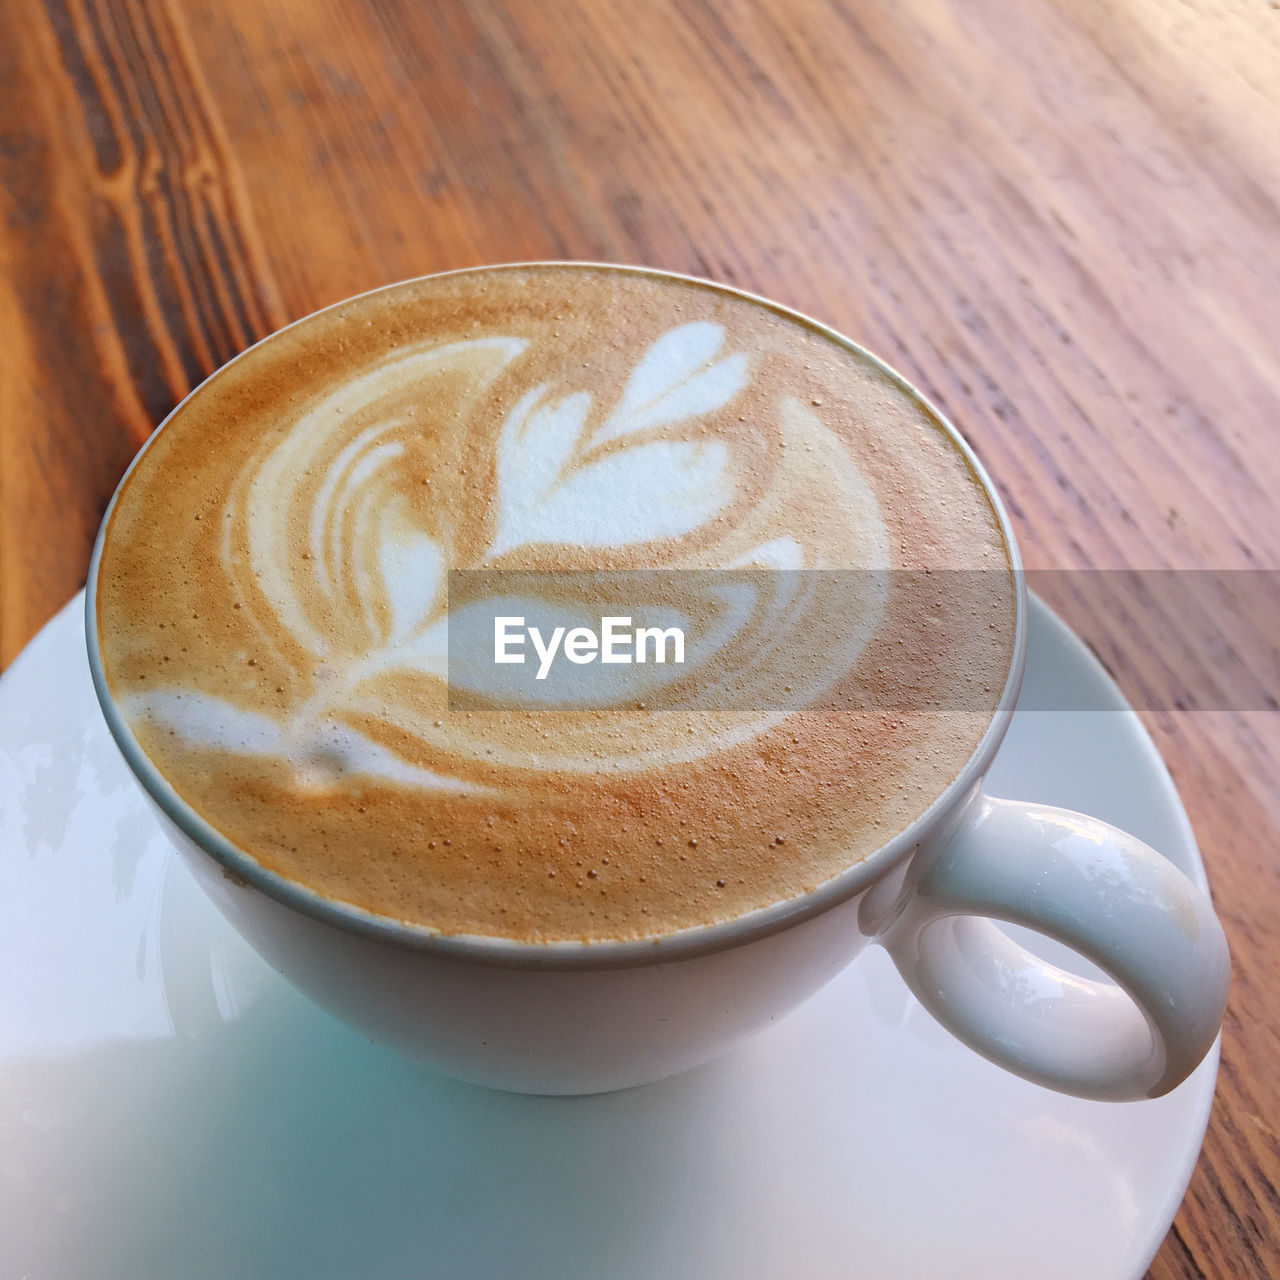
<point>273,605</point>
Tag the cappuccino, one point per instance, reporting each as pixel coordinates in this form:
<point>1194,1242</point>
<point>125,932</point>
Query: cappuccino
<point>275,598</point>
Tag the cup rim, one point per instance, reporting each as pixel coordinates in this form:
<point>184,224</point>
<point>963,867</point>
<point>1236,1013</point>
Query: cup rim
<point>571,954</point>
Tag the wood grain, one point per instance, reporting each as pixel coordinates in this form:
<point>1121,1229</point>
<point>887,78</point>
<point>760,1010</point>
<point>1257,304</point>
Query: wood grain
<point>1058,217</point>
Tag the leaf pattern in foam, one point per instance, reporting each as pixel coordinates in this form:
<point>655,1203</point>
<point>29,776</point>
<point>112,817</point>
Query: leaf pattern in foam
<point>677,378</point>
<point>662,489</point>
<point>533,450</point>
<point>320,751</point>
<point>426,651</point>
<point>281,477</point>
<point>412,568</point>
<point>643,492</point>
<point>204,722</point>
<point>779,553</point>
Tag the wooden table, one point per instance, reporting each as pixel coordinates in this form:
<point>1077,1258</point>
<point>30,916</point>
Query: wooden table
<point>1062,220</point>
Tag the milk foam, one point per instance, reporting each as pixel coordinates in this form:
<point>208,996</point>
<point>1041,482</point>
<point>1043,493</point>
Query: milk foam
<point>274,612</point>
<point>563,476</point>
<point>319,752</point>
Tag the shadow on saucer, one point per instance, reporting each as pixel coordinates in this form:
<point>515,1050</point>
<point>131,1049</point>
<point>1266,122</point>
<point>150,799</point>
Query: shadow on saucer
<point>263,1138</point>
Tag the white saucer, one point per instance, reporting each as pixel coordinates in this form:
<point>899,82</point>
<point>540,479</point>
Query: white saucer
<point>170,1108</point>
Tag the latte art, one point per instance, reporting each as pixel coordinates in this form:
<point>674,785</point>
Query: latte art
<point>275,607</point>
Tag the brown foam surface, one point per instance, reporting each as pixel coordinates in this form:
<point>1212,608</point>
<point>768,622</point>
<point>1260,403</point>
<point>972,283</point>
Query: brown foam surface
<point>271,600</point>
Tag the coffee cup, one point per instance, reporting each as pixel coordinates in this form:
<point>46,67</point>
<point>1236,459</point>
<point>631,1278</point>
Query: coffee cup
<point>519,899</point>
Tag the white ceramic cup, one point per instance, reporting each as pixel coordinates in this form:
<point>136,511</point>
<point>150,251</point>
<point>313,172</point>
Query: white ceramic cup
<point>574,1017</point>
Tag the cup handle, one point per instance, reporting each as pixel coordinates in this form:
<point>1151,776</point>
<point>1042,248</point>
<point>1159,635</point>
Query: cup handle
<point>1101,892</point>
